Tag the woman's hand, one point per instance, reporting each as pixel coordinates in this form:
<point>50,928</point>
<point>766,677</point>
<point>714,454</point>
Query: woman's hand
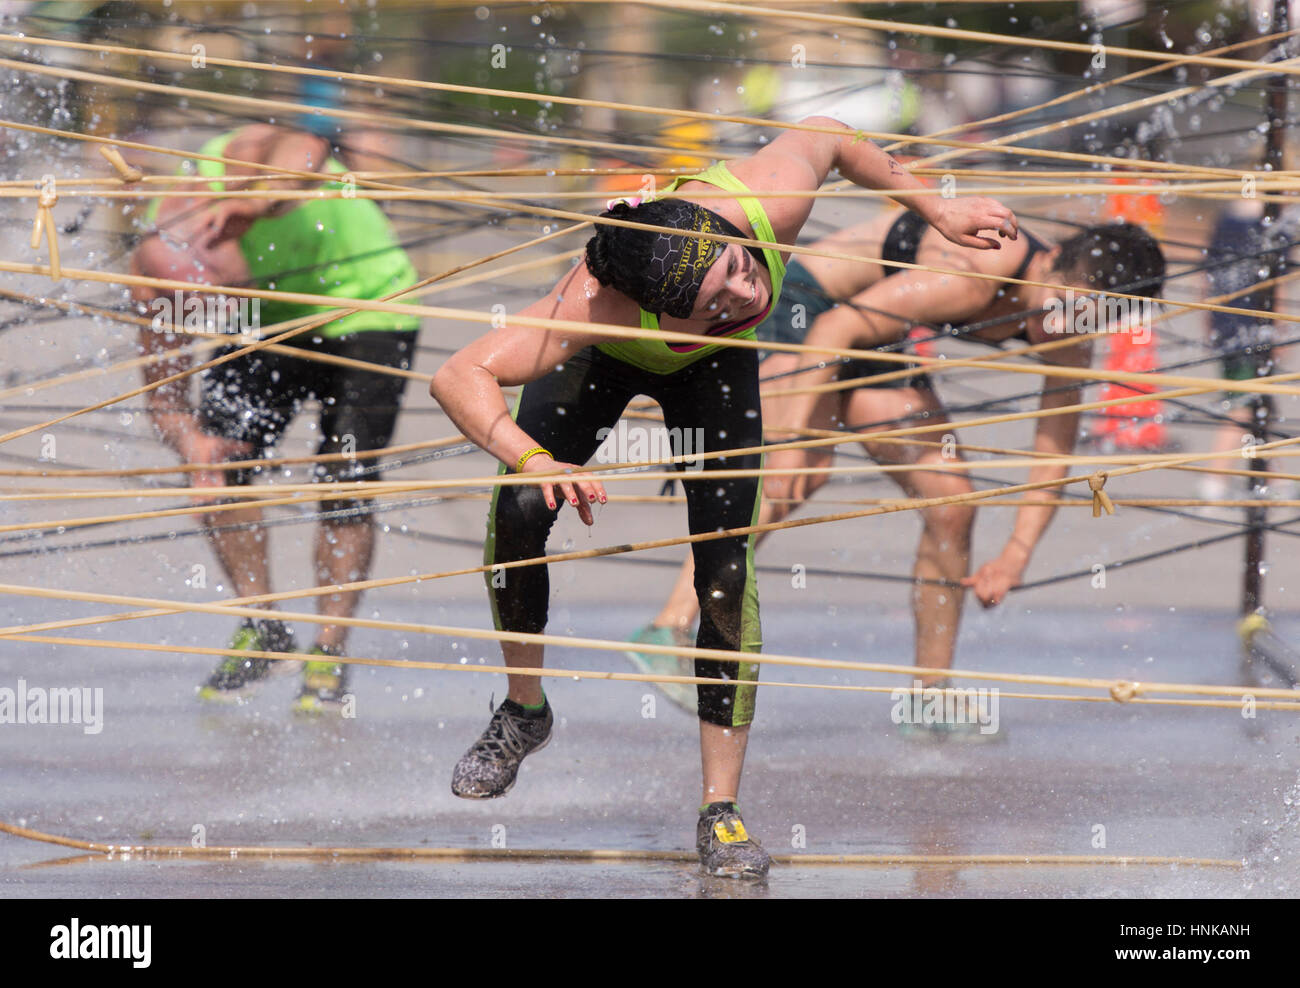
<point>995,579</point>
<point>579,493</point>
<point>960,220</point>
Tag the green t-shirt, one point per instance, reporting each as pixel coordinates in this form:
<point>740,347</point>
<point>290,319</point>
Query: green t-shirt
<point>342,247</point>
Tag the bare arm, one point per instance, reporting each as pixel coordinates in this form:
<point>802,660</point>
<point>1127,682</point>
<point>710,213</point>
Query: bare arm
<point>803,159</point>
<point>274,147</point>
<point>169,406</point>
<point>1056,436</point>
<point>881,315</point>
<point>468,386</point>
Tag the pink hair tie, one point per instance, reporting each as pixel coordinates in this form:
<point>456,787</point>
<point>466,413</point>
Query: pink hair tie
<point>632,201</point>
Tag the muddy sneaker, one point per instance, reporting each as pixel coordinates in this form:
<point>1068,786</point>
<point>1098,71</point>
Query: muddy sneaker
<point>237,675</point>
<point>489,768</point>
<point>324,684</point>
<point>726,850</point>
<point>655,664</point>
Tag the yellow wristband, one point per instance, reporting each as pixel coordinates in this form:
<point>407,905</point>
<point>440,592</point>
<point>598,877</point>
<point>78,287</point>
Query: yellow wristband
<point>529,454</point>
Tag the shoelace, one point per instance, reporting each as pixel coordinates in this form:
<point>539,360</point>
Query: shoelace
<point>502,734</point>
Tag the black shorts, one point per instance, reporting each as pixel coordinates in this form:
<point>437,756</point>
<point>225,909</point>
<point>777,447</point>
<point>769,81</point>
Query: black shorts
<point>254,398</point>
<point>869,368</point>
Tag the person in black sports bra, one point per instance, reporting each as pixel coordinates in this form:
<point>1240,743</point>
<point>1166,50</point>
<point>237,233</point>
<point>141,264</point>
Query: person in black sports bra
<point>901,244</point>
<point>846,305</point>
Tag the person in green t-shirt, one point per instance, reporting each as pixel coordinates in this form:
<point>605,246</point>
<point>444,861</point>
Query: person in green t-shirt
<point>337,246</point>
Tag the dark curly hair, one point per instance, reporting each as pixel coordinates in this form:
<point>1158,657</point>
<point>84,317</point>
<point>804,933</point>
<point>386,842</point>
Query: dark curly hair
<point>1117,256</point>
<point>618,257</point>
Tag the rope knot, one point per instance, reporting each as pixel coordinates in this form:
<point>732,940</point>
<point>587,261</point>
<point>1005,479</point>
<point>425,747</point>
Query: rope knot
<point>1100,499</point>
<point>125,172</point>
<point>44,224</point>
<point>1123,691</point>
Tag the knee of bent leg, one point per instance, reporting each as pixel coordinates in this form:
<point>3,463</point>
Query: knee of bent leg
<point>720,582</point>
<point>777,487</point>
<point>521,510</point>
<point>950,523</point>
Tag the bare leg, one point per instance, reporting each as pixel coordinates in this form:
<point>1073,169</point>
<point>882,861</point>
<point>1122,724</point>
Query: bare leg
<point>526,690</point>
<point>943,554</point>
<point>343,554</point>
<point>944,550</point>
<point>722,758</point>
<point>242,553</point>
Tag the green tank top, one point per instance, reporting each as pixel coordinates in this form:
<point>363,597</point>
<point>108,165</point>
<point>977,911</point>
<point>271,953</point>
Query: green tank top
<point>343,247</point>
<point>659,357</point>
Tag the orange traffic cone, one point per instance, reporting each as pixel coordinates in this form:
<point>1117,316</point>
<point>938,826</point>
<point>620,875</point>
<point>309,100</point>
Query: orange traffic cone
<point>1136,425</point>
<point>1144,210</point>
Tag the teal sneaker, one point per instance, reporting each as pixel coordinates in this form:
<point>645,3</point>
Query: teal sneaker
<point>655,664</point>
<point>236,677</point>
<point>324,684</point>
<point>969,730</point>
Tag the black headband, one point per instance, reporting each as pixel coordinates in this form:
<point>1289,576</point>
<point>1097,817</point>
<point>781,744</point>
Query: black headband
<point>678,264</point>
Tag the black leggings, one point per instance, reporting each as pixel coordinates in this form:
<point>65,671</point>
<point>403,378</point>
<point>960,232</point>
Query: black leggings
<point>565,412</point>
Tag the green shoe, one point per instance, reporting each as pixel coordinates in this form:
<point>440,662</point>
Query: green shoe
<point>324,685</point>
<point>655,664</point>
<point>236,677</point>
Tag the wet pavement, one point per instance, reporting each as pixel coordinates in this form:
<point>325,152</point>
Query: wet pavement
<point>828,767</point>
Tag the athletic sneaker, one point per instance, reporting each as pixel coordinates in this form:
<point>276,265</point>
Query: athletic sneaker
<point>324,684</point>
<point>967,733</point>
<point>235,677</point>
<point>962,732</point>
<point>726,850</point>
<point>489,768</point>
<point>656,664</point>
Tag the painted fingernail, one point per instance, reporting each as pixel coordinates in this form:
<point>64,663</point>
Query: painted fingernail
<point>573,501</point>
<point>602,499</point>
<point>591,497</point>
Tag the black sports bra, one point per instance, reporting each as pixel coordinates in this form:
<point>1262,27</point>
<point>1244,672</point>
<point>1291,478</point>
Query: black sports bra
<point>904,238</point>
